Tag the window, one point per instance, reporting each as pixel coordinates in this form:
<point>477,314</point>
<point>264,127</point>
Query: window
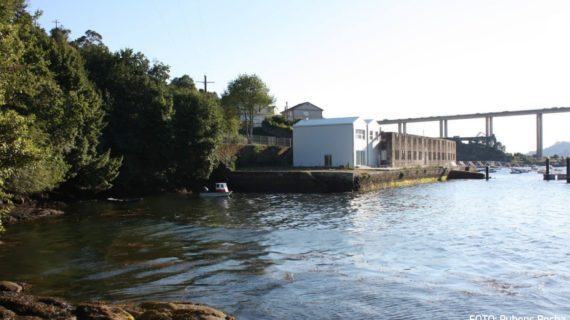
<point>397,154</point>
<point>360,158</point>
<point>360,134</point>
<point>371,135</point>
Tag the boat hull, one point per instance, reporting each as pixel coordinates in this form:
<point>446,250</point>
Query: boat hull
<point>215,194</point>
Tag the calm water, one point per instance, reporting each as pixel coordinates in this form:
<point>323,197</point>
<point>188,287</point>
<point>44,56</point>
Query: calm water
<point>443,250</point>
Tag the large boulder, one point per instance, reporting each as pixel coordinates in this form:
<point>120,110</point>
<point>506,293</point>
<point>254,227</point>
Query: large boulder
<point>27,305</point>
<point>99,311</point>
<point>15,305</point>
<point>8,286</point>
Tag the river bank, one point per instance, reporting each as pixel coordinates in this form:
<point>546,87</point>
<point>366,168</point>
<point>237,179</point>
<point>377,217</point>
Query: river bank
<point>282,180</point>
<point>15,304</point>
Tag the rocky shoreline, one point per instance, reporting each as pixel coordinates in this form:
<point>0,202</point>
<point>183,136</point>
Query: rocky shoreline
<point>29,212</point>
<point>15,304</point>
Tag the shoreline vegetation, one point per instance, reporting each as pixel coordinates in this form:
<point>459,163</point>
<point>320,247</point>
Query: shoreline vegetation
<point>15,303</point>
<point>80,121</point>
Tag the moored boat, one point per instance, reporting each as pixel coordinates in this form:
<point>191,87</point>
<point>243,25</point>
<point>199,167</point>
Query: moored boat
<point>221,191</point>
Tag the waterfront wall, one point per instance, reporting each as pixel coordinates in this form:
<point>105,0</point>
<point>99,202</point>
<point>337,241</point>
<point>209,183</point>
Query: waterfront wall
<point>317,181</point>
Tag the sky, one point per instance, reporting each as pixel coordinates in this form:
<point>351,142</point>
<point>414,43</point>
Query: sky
<point>378,59</point>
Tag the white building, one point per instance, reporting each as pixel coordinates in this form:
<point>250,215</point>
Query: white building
<point>348,142</point>
<point>259,116</point>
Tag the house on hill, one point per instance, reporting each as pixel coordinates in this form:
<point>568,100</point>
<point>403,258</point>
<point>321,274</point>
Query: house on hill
<point>259,116</point>
<point>305,110</point>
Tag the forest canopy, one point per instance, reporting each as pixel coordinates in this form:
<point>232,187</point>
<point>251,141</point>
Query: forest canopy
<point>77,119</point>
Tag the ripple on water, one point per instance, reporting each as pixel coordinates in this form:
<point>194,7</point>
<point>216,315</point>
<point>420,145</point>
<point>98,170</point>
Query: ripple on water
<point>442,250</point>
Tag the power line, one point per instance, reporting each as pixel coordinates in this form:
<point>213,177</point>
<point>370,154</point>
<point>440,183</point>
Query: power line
<point>205,82</point>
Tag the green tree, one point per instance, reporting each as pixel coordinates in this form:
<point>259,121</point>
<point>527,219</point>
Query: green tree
<point>248,94</point>
<point>47,85</point>
<point>197,128</point>
<point>184,82</point>
<point>138,105</point>
<point>27,162</point>
<point>90,171</point>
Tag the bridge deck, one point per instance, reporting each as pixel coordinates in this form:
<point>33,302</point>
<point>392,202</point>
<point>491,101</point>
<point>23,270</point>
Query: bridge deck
<point>477,115</point>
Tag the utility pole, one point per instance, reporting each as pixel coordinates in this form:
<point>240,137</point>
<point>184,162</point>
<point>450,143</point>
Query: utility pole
<point>205,82</point>
<point>56,23</point>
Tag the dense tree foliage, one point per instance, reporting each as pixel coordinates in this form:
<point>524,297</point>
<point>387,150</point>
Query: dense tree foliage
<point>45,83</point>
<point>77,119</point>
<point>197,128</point>
<point>248,95</point>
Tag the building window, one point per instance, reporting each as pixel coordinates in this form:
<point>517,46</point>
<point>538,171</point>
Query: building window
<point>360,157</point>
<point>371,135</point>
<point>360,134</point>
<point>420,154</point>
<point>415,155</point>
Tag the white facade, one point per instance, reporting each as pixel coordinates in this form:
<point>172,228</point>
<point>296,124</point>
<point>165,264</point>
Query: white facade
<point>348,142</point>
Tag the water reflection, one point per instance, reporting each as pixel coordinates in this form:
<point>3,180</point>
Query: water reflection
<point>441,250</point>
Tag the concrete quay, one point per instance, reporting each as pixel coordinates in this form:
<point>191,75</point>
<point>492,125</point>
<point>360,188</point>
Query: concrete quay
<point>330,180</point>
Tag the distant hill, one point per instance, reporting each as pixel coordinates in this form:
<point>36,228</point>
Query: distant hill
<point>561,148</point>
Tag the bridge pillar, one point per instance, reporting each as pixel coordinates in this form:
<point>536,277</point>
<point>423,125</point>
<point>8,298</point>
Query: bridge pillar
<point>404,128</point>
<point>399,127</point>
<point>441,133</point>
<point>445,133</point>
<point>539,135</point>
<point>491,126</point>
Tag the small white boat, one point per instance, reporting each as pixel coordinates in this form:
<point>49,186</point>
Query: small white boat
<point>221,191</point>
<point>518,170</point>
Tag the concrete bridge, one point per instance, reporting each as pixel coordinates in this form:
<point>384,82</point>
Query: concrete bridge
<point>488,121</point>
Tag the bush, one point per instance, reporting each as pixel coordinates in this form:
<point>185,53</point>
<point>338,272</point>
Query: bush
<point>277,126</point>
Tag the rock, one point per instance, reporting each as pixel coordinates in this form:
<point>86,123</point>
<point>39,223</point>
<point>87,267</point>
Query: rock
<point>6,314</point>
<point>29,212</point>
<point>26,305</point>
<point>98,311</point>
<point>180,311</point>
<point>155,315</point>
<point>15,305</point>
<point>10,286</point>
